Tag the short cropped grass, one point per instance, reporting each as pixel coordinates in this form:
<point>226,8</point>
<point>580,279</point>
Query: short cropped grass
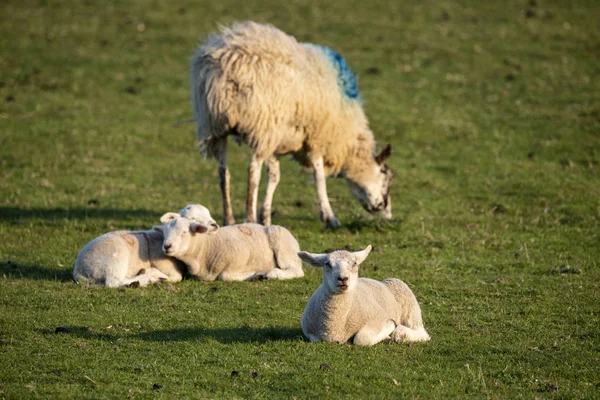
<point>493,112</point>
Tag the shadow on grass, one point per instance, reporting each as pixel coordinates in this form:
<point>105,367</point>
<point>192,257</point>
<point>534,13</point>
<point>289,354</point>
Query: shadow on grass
<point>17,214</point>
<point>11,270</point>
<point>242,334</point>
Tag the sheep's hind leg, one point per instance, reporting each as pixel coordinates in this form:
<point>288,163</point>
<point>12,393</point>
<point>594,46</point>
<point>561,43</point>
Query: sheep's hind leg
<point>225,182</point>
<point>273,176</point>
<point>253,182</point>
<point>370,335</point>
<point>326,213</point>
<point>405,334</point>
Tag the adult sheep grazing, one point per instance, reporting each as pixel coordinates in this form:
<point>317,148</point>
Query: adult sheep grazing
<point>280,97</point>
<point>124,258</point>
<point>346,306</point>
<point>233,253</point>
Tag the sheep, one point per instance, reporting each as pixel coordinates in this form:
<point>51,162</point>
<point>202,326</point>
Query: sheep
<point>280,97</point>
<point>233,253</point>
<point>347,306</point>
<point>132,258</point>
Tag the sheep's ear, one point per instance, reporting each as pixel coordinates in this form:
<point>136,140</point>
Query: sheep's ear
<point>360,256</point>
<point>198,228</point>
<point>168,217</point>
<point>384,154</point>
<point>316,260</point>
<point>158,228</point>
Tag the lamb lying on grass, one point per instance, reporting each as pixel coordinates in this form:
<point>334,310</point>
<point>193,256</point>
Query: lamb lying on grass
<point>233,253</point>
<point>347,306</point>
<point>124,258</point>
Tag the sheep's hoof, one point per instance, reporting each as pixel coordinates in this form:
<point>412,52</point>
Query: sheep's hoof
<point>333,223</point>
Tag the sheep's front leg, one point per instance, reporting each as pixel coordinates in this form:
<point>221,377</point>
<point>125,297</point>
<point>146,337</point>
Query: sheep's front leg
<point>326,213</point>
<point>370,335</point>
<point>273,176</point>
<point>224,183</point>
<point>253,183</point>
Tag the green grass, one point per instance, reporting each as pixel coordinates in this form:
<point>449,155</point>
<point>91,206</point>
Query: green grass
<point>493,112</point>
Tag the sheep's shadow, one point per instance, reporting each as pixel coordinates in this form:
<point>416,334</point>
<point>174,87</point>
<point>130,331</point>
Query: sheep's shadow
<point>16,214</point>
<point>243,334</point>
<point>11,270</point>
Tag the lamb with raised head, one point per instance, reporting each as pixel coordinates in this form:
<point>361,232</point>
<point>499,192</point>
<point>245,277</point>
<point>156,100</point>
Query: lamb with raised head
<point>124,258</point>
<point>346,306</point>
<point>280,97</point>
<point>233,253</point>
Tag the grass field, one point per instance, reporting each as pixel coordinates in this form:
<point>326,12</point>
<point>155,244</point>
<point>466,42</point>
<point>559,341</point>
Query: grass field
<point>493,111</point>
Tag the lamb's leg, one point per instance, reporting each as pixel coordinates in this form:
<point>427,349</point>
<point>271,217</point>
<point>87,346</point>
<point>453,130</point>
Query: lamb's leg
<point>224,182</point>
<point>405,334</point>
<point>273,176</point>
<point>326,213</point>
<point>253,183</point>
<point>277,273</point>
<point>373,334</point>
<point>235,276</point>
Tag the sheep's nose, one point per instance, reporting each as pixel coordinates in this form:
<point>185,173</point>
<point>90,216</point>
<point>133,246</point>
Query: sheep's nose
<point>167,246</point>
<point>343,279</point>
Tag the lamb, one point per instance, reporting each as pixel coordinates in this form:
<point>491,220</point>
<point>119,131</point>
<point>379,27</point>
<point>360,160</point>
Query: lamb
<point>346,306</point>
<point>125,258</point>
<point>280,97</point>
<point>233,253</point>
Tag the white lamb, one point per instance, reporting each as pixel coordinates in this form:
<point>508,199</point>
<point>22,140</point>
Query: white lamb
<point>347,306</point>
<point>283,97</point>
<point>233,253</point>
<point>124,258</point>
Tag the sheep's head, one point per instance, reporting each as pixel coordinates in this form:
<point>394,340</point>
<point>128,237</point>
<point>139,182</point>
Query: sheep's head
<point>340,268</point>
<point>179,231</point>
<point>373,190</point>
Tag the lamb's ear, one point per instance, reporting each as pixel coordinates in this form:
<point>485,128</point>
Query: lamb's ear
<point>213,227</point>
<point>198,228</point>
<point>360,256</point>
<point>384,154</point>
<point>316,260</point>
<point>168,217</point>
<point>158,228</point>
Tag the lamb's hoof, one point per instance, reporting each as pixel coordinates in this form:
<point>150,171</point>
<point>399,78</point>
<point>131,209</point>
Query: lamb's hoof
<point>257,277</point>
<point>135,284</point>
<point>399,335</point>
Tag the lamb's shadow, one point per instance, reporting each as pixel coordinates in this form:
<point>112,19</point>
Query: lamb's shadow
<point>19,214</point>
<point>11,270</point>
<point>244,334</point>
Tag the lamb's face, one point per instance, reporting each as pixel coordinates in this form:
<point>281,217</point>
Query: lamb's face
<point>178,234</point>
<point>340,268</point>
<point>198,213</point>
<point>340,272</point>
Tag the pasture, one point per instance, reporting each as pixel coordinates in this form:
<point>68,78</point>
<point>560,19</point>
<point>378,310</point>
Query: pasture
<point>493,113</point>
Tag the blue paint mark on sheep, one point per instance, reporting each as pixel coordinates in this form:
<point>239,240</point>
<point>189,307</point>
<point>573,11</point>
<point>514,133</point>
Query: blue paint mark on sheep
<point>346,78</point>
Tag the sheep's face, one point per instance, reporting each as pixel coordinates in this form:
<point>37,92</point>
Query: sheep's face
<point>340,268</point>
<point>179,232</point>
<point>373,190</point>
